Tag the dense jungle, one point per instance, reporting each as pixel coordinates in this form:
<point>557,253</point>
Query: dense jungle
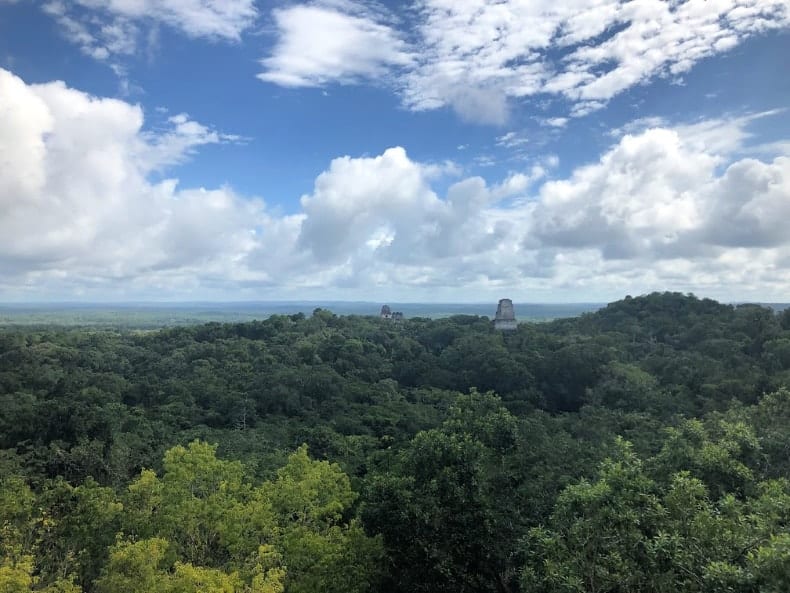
<point>644,447</point>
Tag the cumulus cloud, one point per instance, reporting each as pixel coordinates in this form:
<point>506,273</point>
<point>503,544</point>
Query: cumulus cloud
<point>476,55</point>
<point>750,205</point>
<point>76,204</point>
<point>318,44</point>
<point>659,195</point>
<point>665,207</point>
<point>660,209</point>
<point>638,199</point>
<point>360,200</point>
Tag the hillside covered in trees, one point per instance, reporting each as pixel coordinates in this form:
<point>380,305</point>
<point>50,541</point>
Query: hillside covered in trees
<point>641,448</point>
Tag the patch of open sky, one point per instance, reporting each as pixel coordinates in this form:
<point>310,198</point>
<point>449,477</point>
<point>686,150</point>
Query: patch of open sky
<point>711,87</point>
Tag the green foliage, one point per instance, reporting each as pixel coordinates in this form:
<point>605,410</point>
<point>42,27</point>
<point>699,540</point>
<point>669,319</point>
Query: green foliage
<point>16,575</point>
<point>623,532</point>
<point>599,532</point>
<point>642,448</point>
<point>147,565</point>
<point>771,418</point>
<point>197,505</point>
<point>16,516</point>
<point>446,507</point>
<point>212,517</point>
<point>323,552</point>
<point>308,493</point>
<point>135,567</point>
<point>77,525</point>
<point>721,455</point>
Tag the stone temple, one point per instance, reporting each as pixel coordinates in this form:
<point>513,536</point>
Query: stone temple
<point>505,319</point>
<point>387,313</point>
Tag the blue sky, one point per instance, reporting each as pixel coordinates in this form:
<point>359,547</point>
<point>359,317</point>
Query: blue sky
<point>434,150</point>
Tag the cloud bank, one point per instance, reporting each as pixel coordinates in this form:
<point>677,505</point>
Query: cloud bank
<point>663,208</point>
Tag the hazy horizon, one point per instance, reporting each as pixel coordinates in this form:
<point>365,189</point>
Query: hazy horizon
<point>362,301</point>
<point>153,315</point>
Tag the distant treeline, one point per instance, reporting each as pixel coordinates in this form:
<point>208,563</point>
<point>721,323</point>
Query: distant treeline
<point>641,448</point>
<point>158,315</point>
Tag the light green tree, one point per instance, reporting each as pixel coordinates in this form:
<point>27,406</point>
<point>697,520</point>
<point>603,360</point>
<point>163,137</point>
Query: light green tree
<point>212,517</point>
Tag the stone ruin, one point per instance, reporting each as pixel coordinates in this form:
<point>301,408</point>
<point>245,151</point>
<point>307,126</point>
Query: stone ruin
<point>505,319</point>
<point>387,313</point>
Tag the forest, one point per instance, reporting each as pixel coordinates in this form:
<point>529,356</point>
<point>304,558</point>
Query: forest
<point>642,448</point>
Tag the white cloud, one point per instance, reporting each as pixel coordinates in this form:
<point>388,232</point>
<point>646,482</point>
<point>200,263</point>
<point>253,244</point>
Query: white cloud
<point>319,44</point>
<point>750,205</point>
<point>99,40</point>
<point>176,144</point>
<point>111,29</point>
<point>663,208</point>
<point>485,160</point>
<point>659,196</point>
<point>76,205</point>
<point>477,55</point>
<point>555,122</point>
<point>25,121</point>
<point>636,201</point>
<point>197,18</point>
<point>511,140</point>
<point>357,198</point>
<point>582,108</point>
<point>721,135</point>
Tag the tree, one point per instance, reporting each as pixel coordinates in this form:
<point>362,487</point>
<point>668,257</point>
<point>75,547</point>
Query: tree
<point>598,531</point>
<point>75,530</point>
<point>721,453</point>
<point>211,517</point>
<point>445,504</point>
<point>323,552</point>
<point>198,506</point>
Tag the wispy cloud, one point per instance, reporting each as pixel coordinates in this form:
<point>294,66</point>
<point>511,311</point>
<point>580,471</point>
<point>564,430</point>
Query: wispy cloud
<point>109,30</point>
<point>511,140</point>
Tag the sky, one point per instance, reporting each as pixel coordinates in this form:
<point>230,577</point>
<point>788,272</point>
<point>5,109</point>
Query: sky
<point>426,151</point>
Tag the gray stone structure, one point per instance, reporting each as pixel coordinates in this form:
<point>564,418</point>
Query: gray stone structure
<point>505,319</point>
<point>387,313</point>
